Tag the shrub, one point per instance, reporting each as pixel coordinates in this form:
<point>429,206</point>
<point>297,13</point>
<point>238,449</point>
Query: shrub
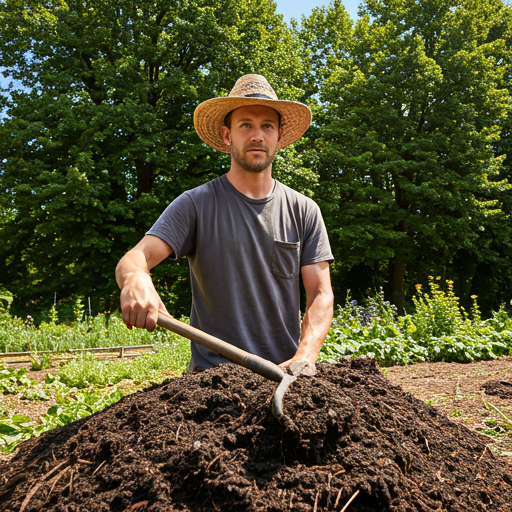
<point>439,330</point>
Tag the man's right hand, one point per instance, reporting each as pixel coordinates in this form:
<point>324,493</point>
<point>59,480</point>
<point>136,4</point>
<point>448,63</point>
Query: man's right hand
<point>140,303</point>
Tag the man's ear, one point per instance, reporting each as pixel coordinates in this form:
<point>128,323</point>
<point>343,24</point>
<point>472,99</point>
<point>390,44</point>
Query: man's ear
<point>280,133</point>
<point>226,136</point>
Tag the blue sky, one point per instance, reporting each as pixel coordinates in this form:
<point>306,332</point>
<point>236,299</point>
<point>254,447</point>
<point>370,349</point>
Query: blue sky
<point>296,8</point>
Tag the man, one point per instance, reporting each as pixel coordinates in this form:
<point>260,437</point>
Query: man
<point>247,238</point>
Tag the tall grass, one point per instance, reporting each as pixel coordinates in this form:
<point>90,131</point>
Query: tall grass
<point>21,335</point>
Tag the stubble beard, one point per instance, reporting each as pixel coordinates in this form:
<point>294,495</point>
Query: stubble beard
<point>256,166</point>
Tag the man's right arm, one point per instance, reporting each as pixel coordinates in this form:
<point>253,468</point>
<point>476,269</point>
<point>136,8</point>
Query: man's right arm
<point>140,302</point>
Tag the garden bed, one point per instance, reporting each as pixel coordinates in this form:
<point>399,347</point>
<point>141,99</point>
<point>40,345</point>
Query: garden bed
<point>208,442</point>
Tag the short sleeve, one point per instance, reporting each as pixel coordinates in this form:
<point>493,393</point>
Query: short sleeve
<point>315,246</point>
<point>178,226</point>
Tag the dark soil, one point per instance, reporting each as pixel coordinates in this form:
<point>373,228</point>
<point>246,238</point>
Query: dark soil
<point>208,442</point>
<point>500,388</point>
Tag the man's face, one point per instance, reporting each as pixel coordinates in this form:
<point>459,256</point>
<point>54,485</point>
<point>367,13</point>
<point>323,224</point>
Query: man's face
<point>253,137</point>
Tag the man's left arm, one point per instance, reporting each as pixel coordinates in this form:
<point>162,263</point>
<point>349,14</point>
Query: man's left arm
<point>318,316</point>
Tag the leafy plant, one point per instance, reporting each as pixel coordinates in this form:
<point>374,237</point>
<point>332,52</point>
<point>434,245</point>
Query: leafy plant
<point>12,379</point>
<point>6,299</point>
<point>72,405</point>
<point>437,313</point>
<point>40,361</point>
<point>169,359</point>
<point>439,330</point>
<point>13,430</point>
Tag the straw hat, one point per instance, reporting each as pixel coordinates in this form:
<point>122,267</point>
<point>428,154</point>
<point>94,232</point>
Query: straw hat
<point>250,90</point>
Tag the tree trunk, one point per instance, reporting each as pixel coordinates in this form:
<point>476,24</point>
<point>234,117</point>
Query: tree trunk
<point>145,177</point>
<point>395,286</point>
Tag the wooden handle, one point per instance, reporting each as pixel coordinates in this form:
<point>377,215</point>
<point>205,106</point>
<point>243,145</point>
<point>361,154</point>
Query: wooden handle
<point>254,363</point>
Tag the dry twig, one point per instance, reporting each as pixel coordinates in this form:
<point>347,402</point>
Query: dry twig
<point>71,483</point>
<point>483,453</point>
<point>215,460</point>
<point>98,468</point>
<point>337,500</point>
<point>29,495</point>
<point>350,501</point>
<point>426,443</point>
<point>220,417</point>
<point>36,487</point>
<point>136,506</point>
<point>54,481</point>
<point>177,394</point>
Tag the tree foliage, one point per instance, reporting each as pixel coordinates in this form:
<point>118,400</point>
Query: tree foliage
<point>408,155</point>
<point>407,142</point>
<point>101,138</point>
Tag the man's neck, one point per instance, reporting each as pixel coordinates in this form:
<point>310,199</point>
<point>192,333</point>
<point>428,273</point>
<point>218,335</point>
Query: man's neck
<point>256,185</point>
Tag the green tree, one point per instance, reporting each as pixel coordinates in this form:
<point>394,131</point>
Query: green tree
<point>410,120</point>
<point>494,279</point>
<point>101,139</point>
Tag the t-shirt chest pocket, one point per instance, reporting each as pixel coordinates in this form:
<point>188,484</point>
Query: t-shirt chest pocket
<point>286,259</point>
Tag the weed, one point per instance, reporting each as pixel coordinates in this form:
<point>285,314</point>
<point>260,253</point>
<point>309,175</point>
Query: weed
<point>500,412</point>
<point>500,426</point>
<point>40,361</point>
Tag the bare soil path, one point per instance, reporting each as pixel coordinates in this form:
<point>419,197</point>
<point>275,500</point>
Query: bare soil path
<point>457,390</point>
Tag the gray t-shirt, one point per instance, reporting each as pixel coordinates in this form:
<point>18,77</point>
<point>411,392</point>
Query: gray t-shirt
<point>245,257</point>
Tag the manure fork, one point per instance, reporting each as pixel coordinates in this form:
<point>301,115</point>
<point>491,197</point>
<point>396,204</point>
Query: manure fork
<point>257,364</point>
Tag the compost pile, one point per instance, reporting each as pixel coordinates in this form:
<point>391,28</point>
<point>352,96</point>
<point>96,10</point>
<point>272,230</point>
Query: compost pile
<point>208,442</point>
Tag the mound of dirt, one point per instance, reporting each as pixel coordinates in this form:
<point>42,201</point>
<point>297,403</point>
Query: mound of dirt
<point>500,388</point>
<point>208,442</point>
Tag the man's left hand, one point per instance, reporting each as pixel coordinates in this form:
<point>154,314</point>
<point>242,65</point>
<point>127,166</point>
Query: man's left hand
<point>299,367</point>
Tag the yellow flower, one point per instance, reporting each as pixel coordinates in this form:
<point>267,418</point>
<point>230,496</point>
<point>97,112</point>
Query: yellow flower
<point>418,286</point>
<point>474,296</point>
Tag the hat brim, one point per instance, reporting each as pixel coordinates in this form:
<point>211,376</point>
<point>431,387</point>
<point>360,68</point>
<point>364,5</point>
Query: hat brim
<point>209,118</point>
